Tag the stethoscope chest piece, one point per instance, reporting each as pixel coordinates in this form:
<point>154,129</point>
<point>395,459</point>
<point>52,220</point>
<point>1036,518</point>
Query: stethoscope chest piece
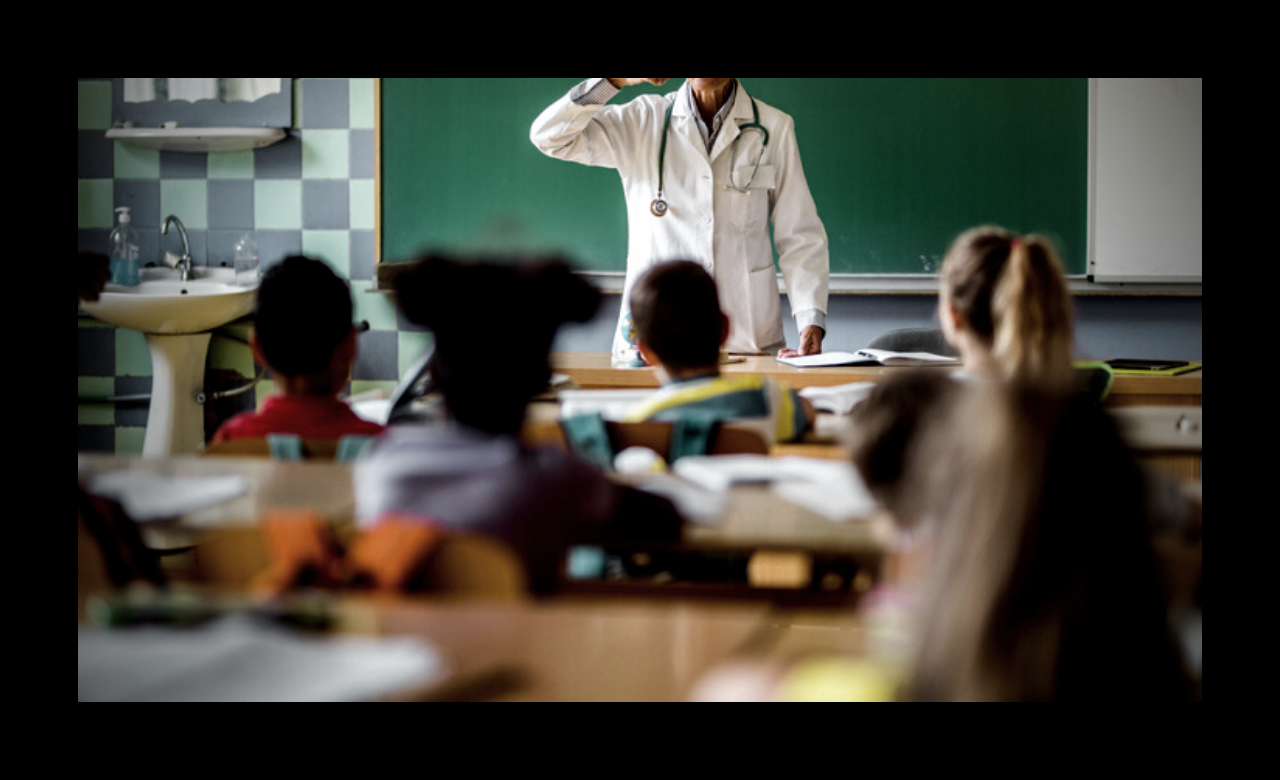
<point>658,207</point>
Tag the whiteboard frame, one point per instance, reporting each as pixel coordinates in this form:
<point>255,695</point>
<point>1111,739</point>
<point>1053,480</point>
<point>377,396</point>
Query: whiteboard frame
<point>1146,181</point>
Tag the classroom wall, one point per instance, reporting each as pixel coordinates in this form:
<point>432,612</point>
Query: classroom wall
<point>314,193</point>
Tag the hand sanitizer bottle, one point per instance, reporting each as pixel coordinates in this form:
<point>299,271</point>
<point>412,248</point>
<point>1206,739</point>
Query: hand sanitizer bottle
<point>246,257</point>
<point>123,250</point>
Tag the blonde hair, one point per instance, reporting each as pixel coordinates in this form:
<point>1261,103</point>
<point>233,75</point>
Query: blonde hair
<point>1039,588</point>
<point>1012,293</point>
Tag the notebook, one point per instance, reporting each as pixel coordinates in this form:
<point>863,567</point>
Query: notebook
<point>869,357</point>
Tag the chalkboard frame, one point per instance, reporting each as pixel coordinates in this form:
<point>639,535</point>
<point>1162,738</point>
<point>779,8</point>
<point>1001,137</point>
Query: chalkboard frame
<point>1076,243</point>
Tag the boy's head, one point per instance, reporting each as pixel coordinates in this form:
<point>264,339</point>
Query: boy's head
<point>677,316</point>
<point>302,319</point>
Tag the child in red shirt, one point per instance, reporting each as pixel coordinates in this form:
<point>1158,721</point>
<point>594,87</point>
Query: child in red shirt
<point>303,334</point>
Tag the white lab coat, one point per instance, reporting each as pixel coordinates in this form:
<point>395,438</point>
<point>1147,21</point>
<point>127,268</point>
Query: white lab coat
<point>708,222</point>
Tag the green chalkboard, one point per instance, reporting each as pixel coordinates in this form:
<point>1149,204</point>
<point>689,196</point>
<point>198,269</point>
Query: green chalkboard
<point>897,168</point>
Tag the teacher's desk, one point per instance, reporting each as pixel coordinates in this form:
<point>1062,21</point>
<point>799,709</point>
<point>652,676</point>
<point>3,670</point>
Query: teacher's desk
<point>592,370</point>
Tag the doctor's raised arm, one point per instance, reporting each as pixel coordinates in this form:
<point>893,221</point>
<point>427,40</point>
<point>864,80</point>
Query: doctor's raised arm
<point>705,169</point>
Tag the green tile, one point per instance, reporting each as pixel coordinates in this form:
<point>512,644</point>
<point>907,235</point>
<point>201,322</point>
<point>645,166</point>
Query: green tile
<point>133,358</point>
<point>129,440</point>
<point>382,386</point>
<point>134,162</point>
<point>231,354</point>
<point>188,200</point>
<point>231,165</point>
<point>412,346</point>
<point>326,154</point>
<point>376,307</point>
<point>96,414</point>
<point>331,246</point>
<point>277,204</point>
<point>362,113</point>
<point>362,200</point>
<point>95,199</point>
<point>93,105</point>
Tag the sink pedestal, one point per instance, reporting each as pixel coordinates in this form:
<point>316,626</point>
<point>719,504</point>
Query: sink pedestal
<point>175,424</point>
<point>177,316</point>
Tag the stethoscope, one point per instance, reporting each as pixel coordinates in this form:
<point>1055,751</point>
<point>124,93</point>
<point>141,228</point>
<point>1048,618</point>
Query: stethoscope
<point>659,205</point>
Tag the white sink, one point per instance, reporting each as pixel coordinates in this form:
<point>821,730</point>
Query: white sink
<point>177,319</point>
<point>162,304</point>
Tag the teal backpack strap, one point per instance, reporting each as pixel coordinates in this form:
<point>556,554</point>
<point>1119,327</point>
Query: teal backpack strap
<point>691,435</point>
<point>588,438</point>
<point>351,446</point>
<point>285,446</point>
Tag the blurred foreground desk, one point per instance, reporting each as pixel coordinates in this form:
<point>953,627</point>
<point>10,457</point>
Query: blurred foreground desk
<point>754,520</point>
<point>592,370</point>
<point>567,650</point>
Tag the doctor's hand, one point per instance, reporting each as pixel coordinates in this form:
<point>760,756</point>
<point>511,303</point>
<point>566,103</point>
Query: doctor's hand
<point>620,83</point>
<point>810,343</point>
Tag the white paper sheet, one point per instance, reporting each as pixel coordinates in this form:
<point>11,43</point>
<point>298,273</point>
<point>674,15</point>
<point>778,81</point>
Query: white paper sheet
<point>234,659</point>
<point>830,488</point>
<point>148,497</point>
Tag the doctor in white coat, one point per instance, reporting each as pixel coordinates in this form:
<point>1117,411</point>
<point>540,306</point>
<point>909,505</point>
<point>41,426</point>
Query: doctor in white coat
<point>704,170</point>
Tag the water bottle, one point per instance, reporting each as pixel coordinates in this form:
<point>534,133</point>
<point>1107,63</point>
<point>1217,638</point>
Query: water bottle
<point>123,250</point>
<point>246,261</point>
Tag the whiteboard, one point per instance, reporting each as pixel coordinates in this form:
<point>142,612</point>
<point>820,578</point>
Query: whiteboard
<point>1146,180</point>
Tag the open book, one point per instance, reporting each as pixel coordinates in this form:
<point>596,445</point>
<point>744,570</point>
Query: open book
<point>870,357</point>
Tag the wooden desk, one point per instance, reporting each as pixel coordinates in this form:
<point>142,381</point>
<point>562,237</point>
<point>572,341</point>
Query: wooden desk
<point>592,370</point>
<point>564,650</point>
<point>322,485</point>
<point>754,519</point>
<point>568,650</point>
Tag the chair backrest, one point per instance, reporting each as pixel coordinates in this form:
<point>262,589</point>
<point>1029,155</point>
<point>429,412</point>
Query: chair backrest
<point>661,437</point>
<point>914,340</point>
<point>473,566</point>
<point>289,447</point>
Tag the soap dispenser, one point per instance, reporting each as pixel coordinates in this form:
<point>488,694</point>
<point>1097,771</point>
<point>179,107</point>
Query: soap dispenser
<point>123,251</point>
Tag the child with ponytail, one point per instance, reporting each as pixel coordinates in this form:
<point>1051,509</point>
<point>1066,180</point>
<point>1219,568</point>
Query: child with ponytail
<point>1004,304</point>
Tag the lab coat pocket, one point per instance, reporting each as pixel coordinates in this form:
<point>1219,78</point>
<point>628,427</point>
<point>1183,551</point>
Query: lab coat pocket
<point>748,177</point>
<point>748,194</point>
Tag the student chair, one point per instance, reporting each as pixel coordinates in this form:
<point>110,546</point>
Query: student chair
<point>598,440</point>
<point>299,548</point>
<point>914,340</point>
<point>472,566</point>
<point>290,447</point>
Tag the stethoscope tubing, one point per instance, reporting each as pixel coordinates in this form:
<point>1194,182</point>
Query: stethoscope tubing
<point>659,206</point>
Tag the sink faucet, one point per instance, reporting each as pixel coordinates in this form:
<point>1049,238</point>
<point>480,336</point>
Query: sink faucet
<point>184,262</point>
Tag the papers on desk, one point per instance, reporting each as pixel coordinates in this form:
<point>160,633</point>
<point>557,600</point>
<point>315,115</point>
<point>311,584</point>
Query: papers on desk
<point>869,357</point>
<point>694,502</point>
<point>839,399</point>
<point>829,488</point>
<point>148,497</point>
<point>237,660</point>
<point>610,404</point>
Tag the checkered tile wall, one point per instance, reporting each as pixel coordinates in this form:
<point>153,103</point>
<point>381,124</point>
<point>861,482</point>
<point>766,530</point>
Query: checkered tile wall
<point>311,193</point>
